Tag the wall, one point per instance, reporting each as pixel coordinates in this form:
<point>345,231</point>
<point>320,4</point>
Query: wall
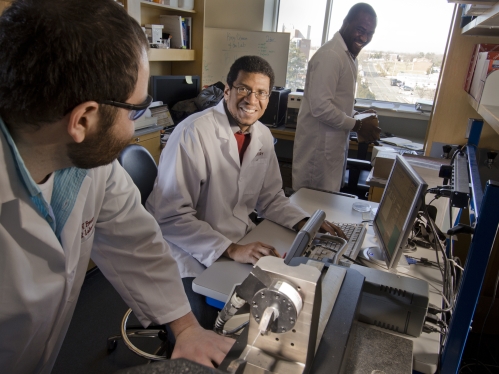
<point>452,110</point>
<point>256,15</point>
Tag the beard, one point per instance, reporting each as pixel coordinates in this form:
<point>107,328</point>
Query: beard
<point>101,148</point>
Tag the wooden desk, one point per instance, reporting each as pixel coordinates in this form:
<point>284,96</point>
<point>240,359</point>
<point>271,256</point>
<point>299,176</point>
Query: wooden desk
<point>285,133</point>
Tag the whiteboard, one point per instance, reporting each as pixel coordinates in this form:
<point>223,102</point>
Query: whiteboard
<point>223,46</point>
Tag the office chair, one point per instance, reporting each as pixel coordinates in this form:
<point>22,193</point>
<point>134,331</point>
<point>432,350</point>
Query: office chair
<point>140,165</point>
<point>357,171</point>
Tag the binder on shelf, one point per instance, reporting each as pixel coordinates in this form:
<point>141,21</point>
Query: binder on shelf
<point>173,25</point>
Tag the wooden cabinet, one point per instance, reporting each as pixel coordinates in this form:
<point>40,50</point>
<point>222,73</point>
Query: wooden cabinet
<point>149,138</point>
<point>172,61</point>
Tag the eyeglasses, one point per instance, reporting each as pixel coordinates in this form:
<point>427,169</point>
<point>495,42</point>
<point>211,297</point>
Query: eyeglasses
<point>260,95</point>
<point>136,111</point>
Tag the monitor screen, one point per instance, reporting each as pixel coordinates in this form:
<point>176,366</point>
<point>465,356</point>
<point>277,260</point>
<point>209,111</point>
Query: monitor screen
<point>170,89</point>
<point>397,211</point>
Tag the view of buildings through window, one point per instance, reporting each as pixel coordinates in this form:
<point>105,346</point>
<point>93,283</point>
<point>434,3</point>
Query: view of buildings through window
<point>401,64</point>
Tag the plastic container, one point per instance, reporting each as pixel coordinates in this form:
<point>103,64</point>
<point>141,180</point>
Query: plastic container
<point>186,4</point>
<point>361,207</point>
<point>172,3</point>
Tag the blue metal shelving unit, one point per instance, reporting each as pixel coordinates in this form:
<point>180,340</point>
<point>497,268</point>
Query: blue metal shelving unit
<point>485,206</point>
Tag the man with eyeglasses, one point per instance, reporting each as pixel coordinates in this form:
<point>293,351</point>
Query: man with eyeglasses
<point>218,166</point>
<point>73,78</point>
<point>327,112</point>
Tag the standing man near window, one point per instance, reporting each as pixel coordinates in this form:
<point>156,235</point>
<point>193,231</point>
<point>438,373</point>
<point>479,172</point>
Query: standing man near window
<point>73,78</point>
<point>326,113</point>
<point>217,167</point>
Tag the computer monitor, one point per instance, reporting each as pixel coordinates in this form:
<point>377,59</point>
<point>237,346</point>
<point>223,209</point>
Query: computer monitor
<point>397,211</point>
<point>170,89</point>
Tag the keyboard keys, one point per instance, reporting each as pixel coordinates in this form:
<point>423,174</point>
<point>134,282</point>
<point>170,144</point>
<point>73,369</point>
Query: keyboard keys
<point>322,249</point>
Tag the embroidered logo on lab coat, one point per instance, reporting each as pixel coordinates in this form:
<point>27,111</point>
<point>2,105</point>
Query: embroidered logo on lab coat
<point>87,228</point>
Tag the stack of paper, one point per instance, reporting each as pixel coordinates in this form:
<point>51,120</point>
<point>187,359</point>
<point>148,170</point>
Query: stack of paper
<point>403,143</point>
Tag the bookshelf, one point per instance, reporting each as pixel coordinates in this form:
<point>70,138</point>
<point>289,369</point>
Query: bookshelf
<point>172,61</point>
<point>486,24</point>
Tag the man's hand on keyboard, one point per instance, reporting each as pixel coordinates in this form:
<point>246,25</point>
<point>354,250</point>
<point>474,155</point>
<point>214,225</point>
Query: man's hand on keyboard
<point>250,253</point>
<point>326,226</point>
<point>332,229</point>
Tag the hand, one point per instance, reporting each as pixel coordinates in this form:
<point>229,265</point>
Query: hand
<point>197,344</point>
<point>369,131</point>
<point>325,227</point>
<point>332,229</point>
<point>250,253</point>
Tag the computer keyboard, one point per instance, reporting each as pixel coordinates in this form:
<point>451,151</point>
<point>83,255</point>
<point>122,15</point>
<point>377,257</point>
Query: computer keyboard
<point>323,248</point>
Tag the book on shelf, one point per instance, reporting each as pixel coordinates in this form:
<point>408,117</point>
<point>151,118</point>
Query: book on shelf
<point>188,32</point>
<point>174,25</point>
<point>487,63</point>
<point>473,61</point>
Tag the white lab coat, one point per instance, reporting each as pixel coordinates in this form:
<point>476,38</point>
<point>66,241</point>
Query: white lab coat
<point>325,118</point>
<point>40,279</point>
<point>203,196</point>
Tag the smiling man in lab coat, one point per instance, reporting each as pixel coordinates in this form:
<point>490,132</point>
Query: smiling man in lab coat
<point>217,167</point>
<point>326,113</point>
<point>73,78</point>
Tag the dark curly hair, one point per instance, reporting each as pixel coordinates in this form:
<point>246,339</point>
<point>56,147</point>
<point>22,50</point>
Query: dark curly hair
<point>57,54</point>
<point>250,64</point>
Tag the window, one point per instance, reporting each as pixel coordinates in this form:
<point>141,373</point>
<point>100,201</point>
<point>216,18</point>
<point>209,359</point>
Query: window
<point>401,64</point>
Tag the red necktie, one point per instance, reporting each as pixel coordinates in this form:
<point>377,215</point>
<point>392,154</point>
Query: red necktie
<point>243,141</point>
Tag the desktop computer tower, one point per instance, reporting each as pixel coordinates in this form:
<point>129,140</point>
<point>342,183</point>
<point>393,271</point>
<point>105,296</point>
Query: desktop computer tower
<point>294,102</point>
<point>275,114</point>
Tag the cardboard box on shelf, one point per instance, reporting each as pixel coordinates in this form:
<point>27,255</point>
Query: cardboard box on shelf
<point>383,163</point>
<point>379,148</point>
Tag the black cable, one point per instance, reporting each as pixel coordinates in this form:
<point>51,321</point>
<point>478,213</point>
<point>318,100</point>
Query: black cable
<point>448,291</point>
<point>354,261</point>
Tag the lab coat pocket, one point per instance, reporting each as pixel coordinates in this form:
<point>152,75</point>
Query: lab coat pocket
<point>334,148</point>
<point>254,176</point>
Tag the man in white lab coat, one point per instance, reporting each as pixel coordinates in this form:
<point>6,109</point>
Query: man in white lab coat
<point>73,78</point>
<point>326,113</point>
<point>217,167</point>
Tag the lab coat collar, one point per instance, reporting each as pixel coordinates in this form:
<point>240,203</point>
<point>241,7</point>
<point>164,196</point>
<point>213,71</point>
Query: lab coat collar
<point>254,146</point>
<point>224,131</point>
<point>18,208</point>
<point>339,39</point>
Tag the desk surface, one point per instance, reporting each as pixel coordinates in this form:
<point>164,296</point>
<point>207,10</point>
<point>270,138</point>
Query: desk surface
<point>218,280</point>
<point>337,208</point>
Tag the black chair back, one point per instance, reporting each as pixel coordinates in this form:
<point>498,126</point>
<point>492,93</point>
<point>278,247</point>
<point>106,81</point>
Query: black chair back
<point>357,171</point>
<point>141,167</point>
